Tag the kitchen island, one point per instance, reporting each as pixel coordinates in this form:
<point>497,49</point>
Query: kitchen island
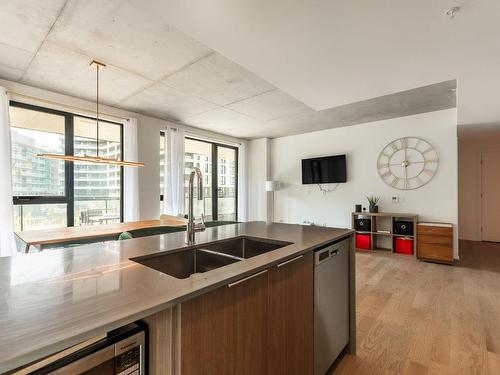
<point>53,300</point>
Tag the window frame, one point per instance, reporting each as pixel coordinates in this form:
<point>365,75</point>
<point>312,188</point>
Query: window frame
<point>69,176</point>
<point>215,174</point>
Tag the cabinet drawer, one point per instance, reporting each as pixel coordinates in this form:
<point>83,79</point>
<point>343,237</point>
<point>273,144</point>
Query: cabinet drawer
<point>434,231</point>
<point>435,240</point>
<point>436,252</point>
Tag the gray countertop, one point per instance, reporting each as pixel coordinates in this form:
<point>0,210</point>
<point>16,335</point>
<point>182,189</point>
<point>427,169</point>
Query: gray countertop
<point>55,299</point>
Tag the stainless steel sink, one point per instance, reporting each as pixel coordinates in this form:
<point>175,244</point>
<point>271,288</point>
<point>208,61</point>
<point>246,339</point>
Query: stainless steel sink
<point>245,247</point>
<point>184,263</point>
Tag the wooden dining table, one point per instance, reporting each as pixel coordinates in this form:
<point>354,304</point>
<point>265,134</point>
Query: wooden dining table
<point>79,233</point>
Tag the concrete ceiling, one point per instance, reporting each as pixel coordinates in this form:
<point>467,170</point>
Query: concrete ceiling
<point>331,53</point>
<point>155,69</point>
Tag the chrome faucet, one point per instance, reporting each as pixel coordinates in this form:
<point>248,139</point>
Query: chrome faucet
<point>192,228</point>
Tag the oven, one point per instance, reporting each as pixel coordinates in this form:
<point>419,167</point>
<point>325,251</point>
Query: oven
<point>119,352</point>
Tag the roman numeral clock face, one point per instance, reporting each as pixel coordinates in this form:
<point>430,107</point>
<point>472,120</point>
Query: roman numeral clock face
<point>407,163</point>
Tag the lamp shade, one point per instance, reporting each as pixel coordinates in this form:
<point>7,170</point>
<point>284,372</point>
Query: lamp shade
<point>273,185</point>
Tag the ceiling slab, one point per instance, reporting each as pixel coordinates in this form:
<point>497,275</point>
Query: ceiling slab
<point>268,106</point>
<point>155,69</point>
<point>331,53</point>
<point>69,73</point>
<point>165,102</point>
<point>14,57</point>
<point>226,121</point>
<point>121,33</point>
<point>424,99</point>
<point>24,24</point>
<point>10,73</point>
<point>217,80</point>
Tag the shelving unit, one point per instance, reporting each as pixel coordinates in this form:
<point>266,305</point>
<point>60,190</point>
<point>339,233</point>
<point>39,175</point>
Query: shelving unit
<point>382,229</point>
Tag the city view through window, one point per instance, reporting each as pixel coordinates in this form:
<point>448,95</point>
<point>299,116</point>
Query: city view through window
<point>49,193</point>
<point>219,200</point>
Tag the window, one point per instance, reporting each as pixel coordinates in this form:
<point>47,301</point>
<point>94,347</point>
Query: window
<point>193,150</point>
<point>97,187</point>
<point>227,191</point>
<point>162,169</point>
<point>49,193</point>
<point>219,196</point>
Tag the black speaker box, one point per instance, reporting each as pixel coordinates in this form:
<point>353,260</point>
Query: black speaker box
<point>363,224</point>
<point>403,227</point>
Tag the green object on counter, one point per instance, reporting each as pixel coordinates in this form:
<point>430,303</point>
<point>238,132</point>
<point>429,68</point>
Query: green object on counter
<point>125,236</point>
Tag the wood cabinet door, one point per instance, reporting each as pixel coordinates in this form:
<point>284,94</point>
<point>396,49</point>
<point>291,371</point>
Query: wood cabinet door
<point>250,318</point>
<point>291,314</point>
<point>225,331</point>
<point>207,334</point>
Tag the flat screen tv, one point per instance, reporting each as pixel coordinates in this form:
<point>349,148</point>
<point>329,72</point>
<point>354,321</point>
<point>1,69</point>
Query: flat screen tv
<point>324,170</point>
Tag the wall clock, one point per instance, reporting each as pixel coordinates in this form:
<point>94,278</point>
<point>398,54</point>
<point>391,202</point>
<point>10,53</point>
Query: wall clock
<point>407,163</point>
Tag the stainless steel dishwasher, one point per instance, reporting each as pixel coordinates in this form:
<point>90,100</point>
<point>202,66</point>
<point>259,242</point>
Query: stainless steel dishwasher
<point>331,304</point>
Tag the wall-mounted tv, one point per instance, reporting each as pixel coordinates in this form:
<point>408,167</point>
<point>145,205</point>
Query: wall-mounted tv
<point>324,170</point>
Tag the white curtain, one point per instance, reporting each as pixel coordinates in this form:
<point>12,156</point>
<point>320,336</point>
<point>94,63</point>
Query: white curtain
<point>131,174</point>
<point>7,243</point>
<point>173,193</point>
<point>242,182</point>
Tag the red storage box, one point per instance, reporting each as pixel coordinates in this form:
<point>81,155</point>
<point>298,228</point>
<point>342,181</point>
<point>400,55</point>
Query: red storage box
<point>363,241</point>
<point>403,245</point>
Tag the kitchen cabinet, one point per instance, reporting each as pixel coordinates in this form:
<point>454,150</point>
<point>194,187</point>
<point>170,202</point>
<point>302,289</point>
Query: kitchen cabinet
<point>250,317</point>
<point>291,310</point>
<point>225,331</point>
<point>207,343</point>
<point>261,324</point>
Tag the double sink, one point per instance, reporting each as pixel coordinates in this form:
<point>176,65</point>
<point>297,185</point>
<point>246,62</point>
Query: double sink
<point>182,264</point>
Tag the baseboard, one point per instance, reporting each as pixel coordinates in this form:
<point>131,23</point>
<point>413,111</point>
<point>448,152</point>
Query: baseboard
<point>469,237</point>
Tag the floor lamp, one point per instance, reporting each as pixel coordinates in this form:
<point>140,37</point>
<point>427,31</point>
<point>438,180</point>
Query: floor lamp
<point>271,186</point>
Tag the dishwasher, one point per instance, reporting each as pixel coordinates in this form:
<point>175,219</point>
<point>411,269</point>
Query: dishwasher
<point>331,304</point>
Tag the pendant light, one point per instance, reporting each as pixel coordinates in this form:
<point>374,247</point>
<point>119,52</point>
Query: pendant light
<point>88,158</point>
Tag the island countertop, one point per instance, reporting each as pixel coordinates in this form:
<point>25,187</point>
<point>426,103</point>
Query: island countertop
<point>55,299</point>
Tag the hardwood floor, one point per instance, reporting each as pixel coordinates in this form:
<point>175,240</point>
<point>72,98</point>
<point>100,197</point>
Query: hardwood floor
<point>425,319</point>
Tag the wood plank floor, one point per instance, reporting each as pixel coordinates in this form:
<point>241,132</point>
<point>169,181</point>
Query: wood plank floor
<point>425,319</point>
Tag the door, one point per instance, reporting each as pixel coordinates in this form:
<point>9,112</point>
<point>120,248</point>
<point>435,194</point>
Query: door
<point>291,317</point>
<point>490,202</point>
<point>226,184</point>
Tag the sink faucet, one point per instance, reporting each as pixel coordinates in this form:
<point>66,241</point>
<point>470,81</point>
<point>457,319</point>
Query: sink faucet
<point>192,228</point>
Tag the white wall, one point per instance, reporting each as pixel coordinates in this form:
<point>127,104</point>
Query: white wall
<point>148,136</point>
<point>296,203</point>
<point>258,172</point>
<point>470,146</point>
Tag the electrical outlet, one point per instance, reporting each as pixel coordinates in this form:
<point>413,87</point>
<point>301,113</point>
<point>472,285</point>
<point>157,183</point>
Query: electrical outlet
<point>395,199</point>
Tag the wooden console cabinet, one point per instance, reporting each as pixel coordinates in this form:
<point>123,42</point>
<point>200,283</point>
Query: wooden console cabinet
<point>261,324</point>
<point>435,242</point>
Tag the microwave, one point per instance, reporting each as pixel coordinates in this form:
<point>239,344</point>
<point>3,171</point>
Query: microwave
<point>119,352</point>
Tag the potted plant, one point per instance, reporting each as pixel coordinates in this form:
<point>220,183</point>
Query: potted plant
<point>373,203</point>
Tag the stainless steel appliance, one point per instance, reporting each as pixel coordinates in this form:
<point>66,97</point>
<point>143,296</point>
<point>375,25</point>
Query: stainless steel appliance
<point>120,352</point>
<point>331,304</point>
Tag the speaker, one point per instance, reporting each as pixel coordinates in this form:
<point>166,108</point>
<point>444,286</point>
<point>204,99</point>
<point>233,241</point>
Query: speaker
<point>363,225</point>
<point>403,227</point>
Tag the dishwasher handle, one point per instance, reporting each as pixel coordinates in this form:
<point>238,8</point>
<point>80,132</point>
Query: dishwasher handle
<point>325,255</point>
